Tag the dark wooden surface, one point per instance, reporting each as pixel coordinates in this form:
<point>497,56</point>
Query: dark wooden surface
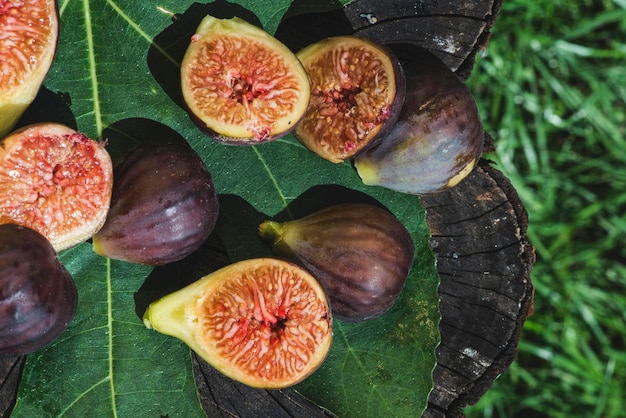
<point>484,261</point>
<point>478,231</point>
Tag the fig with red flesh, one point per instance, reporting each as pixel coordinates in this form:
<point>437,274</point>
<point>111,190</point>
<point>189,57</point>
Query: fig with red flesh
<point>240,84</point>
<point>38,296</point>
<point>438,139</point>
<point>55,180</point>
<point>164,205</point>
<point>28,40</point>
<point>263,322</point>
<point>360,253</point>
<point>357,91</point>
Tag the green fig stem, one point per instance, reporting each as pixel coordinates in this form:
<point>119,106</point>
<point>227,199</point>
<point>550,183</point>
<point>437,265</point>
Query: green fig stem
<point>271,231</point>
<point>274,233</point>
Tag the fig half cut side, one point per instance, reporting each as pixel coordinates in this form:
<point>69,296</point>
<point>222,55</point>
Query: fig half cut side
<point>357,91</point>
<point>264,322</point>
<point>56,181</point>
<point>438,139</point>
<point>241,85</point>
<point>28,40</point>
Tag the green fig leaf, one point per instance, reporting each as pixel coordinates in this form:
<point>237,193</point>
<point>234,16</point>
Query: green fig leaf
<point>116,66</point>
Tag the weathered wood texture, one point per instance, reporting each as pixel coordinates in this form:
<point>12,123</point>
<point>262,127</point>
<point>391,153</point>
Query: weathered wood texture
<point>453,30</point>
<point>484,261</point>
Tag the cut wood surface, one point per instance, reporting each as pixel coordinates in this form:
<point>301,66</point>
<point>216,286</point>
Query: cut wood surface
<point>478,232</point>
<point>484,260</point>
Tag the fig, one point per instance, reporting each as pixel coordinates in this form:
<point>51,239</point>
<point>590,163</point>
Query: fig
<point>264,322</point>
<point>28,40</point>
<point>438,139</point>
<point>360,253</point>
<point>55,180</point>
<point>241,85</point>
<point>38,296</point>
<point>357,91</point>
<point>164,204</point>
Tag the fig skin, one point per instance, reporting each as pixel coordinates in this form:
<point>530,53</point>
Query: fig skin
<point>56,181</point>
<point>438,139</point>
<point>38,296</point>
<point>264,322</point>
<point>357,91</point>
<point>242,86</point>
<point>31,29</point>
<point>163,207</point>
<point>360,253</point>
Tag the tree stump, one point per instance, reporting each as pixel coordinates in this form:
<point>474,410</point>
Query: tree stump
<point>478,231</point>
<point>478,228</point>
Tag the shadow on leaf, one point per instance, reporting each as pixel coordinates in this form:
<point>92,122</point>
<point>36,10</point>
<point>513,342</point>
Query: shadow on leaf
<point>321,196</point>
<point>305,23</point>
<point>168,48</point>
<point>126,134</point>
<point>49,106</point>
<point>169,278</point>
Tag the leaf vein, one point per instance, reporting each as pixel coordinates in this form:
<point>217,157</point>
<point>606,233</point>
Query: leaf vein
<point>82,395</point>
<point>137,28</point>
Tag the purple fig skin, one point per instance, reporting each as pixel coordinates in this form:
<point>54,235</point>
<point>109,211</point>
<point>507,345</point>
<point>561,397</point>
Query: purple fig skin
<point>163,207</point>
<point>437,140</point>
<point>345,120</point>
<point>38,296</point>
<point>360,253</point>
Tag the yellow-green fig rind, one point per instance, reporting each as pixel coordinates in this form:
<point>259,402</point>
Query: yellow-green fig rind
<point>263,322</point>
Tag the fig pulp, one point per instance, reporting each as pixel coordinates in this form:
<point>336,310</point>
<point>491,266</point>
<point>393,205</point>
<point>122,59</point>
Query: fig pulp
<point>357,91</point>
<point>241,85</point>
<point>28,40</point>
<point>56,181</point>
<point>360,253</point>
<point>164,205</point>
<point>38,296</point>
<point>438,139</point>
<point>263,322</point>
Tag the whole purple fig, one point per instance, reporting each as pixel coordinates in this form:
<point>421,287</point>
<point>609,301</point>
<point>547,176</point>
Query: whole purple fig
<point>360,253</point>
<point>438,138</point>
<point>38,296</point>
<point>163,207</point>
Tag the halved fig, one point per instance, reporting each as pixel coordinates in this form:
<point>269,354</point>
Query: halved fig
<point>38,296</point>
<point>240,84</point>
<point>438,139</point>
<point>263,322</point>
<point>360,253</point>
<point>28,40</point>
<point>55,180</point>
<point>357,91</point>
<point>164,204</point>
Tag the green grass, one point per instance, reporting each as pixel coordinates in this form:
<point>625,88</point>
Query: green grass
<point>551,87</point>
